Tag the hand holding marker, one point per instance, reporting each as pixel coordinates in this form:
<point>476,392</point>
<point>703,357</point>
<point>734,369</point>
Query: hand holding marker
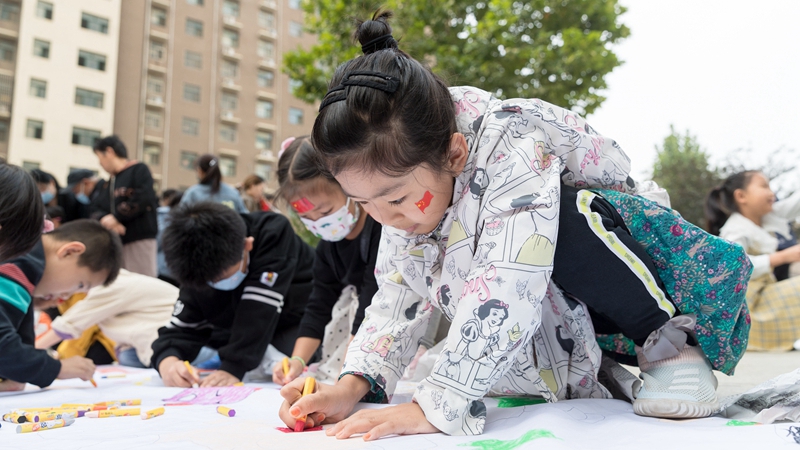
<point>308,388</point>
<point>193,373</point>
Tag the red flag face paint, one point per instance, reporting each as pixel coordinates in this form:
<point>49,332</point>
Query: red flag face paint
<point>302,206</point>
<point>425,201</point>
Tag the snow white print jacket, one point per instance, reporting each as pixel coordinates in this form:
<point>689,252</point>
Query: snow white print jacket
<point>487,267</point>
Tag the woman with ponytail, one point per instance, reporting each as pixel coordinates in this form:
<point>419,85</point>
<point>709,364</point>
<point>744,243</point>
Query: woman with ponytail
<point>743,210</point>
<point>211,188</point>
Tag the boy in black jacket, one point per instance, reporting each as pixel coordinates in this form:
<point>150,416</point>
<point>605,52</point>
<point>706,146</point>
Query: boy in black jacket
<point>126,204</point>
<point>249,274</point>
<point>74,258</point>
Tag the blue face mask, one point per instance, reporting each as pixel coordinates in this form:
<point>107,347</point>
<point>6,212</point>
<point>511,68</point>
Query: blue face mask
<point>232,282</point>
<point>83,199</point>
<point>47,197</point>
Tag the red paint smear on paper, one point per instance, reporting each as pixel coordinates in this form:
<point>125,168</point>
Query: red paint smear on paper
<point>289,430</point>
<point>425,202</point>
<point>302,205</point>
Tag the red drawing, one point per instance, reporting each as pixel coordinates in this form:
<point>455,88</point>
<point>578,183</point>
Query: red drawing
<point>425,202</point>
<point>302,205</point>
<point>289,430</point>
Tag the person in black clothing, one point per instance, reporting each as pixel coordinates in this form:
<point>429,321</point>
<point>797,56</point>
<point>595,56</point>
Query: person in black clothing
<point>48,186</point>
<point>76,197</point>
<point>126,204</point>
<point>249,274</point>
<point>345,257</point>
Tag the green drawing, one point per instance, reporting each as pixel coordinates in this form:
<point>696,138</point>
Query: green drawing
<point>740,423</point>
<point>497,444</point>
<point>513,402</point>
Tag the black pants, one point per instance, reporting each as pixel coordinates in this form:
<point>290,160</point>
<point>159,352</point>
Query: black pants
<point>585,268</point>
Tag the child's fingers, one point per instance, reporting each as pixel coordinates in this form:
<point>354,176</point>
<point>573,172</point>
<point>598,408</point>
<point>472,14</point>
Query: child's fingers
<point>292,391</point>
<point>381,430</point>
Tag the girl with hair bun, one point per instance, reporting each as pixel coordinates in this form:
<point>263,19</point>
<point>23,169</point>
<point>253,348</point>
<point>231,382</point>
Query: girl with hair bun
<point>211,188</point>
<point>743,210</point>
<point>488,217</point>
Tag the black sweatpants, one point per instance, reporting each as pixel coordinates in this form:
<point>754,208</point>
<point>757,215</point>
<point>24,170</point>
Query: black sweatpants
<point>597,261</point>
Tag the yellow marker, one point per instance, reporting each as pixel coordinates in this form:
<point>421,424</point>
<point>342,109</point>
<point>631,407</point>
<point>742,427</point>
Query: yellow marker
<point>120,403</point>
<point>152,413</point>
<point>308,389</point>
<point>113,413</point>
<point>285,367</point>
<point>193,373</point>
<point>226,411</point>
<point>41,426</point>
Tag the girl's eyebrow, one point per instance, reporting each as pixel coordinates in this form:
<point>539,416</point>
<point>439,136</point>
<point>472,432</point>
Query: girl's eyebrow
<point>383,192</point>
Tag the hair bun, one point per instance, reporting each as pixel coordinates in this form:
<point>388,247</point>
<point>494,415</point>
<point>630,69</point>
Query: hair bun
<point>375,34</point>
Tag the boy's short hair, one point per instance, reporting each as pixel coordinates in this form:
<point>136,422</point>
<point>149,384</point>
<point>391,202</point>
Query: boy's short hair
<point>201,241</point>
<point>103,247</point>
<point>114,142</point>
<point>21,212</point>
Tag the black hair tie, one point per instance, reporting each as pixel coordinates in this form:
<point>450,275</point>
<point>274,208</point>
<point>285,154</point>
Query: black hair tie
<point>375,80</point>
<point>379,43</point>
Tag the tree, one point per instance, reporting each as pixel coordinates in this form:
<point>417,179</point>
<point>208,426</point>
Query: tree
<point>556,50</point>
<point>682,169</point>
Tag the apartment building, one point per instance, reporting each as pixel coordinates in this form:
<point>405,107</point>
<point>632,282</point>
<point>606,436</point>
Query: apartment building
<point>58,75</point>
<point>203,76</point>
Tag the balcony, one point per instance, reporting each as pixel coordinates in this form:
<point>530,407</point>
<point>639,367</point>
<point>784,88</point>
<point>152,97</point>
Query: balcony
<point>269,4</point>
<point>230,52</point>
<point>267,156</point>
<point>155,101</point>
<point>227,116</point>
<point>232,22</point>
<point>230,84</point>
<point>268,33</point>
<point>162,3</point>
<point>266,126</point>
<point>267,63</point>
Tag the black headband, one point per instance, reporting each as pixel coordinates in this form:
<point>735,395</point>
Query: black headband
<point>379,43</point>
<point>374,80</point>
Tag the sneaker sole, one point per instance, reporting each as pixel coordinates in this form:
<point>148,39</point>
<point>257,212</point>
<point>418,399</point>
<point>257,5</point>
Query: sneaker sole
<point>674,409</point>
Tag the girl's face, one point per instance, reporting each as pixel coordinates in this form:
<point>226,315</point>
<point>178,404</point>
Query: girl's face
<point>325,201</point>
<point>256,190</point>
<point>415,202</point>
<point>496,317</point>
<point>757,198</point>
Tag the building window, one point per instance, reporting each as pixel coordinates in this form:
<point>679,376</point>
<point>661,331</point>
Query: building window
<point>295,116</point>
<point>195,2</point>
<point>193,59</point>
<point>152,154</point>
<point>88,98</point>
<point>158,51</point>
<point>30,165</point>
<point>266,20</point>
<point>38,88</point>
<point>194,27</point>
<point>264,140</point>
<point>295,29</point>
<point>266,78</point>
<point>190,127</point>
<point>230,69</point>
<point>7,49</point>
<point>263,170</point>
<point>191,92</point>
<point>3,131</point>
<point>9,12</point>
<point>152,119</point>
<point>230,38</point>
<point>264,109</point>
<point>35,129</point>
<point>230,8</point>
<point>94,23</point>
<point>91,60</point>
<point>155,87</point>
<point>158,17</point>
<point>82,136</point>
<point>229,101</point>
<point>227,165</point>
<point>227,133</point>
<point>295,4</point>
<point>41,48</point>
<point>44,10</point>
<point>294,85</point>
<point>187,160</point>
<point>266,50</point>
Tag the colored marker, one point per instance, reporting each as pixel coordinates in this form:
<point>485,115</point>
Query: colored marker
<point>193,373</point>
<point>308,388</point>
<point>285,366</point>
<point>53,415</point>
<point>120,403</point>
<point>94,383</point>
<point>226,411</point>
<point>41,426</point>
<point>113,413</point>
<point>116,375</point>
<point>152,413</point>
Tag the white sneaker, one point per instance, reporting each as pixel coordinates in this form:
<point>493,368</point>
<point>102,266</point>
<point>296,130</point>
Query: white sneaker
<point>680,387</point>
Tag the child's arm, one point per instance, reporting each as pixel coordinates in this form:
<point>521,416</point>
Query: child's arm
<point>788,208</point>
<point>186,333</point>
<point>48,339</point>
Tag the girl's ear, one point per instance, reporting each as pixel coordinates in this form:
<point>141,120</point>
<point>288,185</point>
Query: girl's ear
<point>457,154</point>
<point>739,196</point>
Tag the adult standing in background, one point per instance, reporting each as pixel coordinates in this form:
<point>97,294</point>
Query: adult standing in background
<point>253,194</point>
<point>211,188</point>
<point>76,197</point>
<point>127,204</point>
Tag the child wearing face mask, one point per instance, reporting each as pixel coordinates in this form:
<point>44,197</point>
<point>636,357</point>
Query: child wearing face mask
<point>344,264</point>
<point>743,210</point>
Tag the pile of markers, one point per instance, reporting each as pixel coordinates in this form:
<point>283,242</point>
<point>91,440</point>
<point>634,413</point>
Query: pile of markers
<point>47,418</point>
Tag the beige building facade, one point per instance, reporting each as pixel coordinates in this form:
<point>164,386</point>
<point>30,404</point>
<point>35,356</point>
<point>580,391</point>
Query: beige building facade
<point>203,76</point>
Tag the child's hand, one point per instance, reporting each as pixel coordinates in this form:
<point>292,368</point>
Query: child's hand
<point>174,372</point>
<point>295,370</point>
<point>11,385</point>
<point>219,378</point>
<point>328,404</point>
<point>407,418</point>
<point>76,367</point>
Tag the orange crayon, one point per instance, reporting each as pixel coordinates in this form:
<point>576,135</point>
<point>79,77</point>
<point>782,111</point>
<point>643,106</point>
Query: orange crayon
<point>308,388</point>
<point>193,373</point>
<point>152,413</point>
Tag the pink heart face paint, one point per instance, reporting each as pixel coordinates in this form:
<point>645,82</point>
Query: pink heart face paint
<point>302,206</point>
<point>425,201</point>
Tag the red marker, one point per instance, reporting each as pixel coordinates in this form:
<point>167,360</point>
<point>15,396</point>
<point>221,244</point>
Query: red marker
<point>425,201</point>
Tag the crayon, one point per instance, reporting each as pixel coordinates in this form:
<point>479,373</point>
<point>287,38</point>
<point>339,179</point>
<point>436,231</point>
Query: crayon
<point>120,403</point>
<point>94,383</point>
<point>226,411</point>
<point>116,375</point>
<point>41,426</point>
<point>16,418</point>
<point>193,373</point>
<point>285,366</point>
<point>152,413</point>
<point>238,384</point>
<point>113,413</point>
<point>308,388</point>
<point>53,415</point>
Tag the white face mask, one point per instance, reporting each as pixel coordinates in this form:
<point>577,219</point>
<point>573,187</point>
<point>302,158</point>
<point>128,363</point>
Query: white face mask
<point>336,226</point>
